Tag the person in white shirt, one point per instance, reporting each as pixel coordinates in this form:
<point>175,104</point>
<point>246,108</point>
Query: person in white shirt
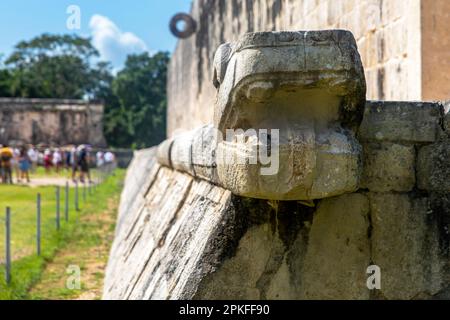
<point>100,159</point>
<point>109,157</point>
<point>57,159</point>
<point>34,158</point>
<point>109,161</point>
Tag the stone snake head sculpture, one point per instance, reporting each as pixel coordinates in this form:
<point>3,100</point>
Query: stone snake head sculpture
<point>289,102</point>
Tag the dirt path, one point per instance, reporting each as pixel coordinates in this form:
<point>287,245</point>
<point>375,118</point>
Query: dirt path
<point>89,251</point>
<point>47,181</point>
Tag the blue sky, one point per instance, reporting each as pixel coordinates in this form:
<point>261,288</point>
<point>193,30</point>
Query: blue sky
<point>118,27</point>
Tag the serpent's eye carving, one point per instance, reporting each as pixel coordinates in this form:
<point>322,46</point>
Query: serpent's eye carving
<point>221,59</point>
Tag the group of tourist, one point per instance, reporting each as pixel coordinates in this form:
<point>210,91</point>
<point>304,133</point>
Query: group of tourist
<point>24,159</point>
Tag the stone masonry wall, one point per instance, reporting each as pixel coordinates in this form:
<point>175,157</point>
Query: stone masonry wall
<point>388,34</point>
<point>179,237</point>
<point>435,48</point>
<point>51,121</point>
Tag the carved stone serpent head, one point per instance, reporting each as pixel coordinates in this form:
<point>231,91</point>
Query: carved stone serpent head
<point>305,92</point>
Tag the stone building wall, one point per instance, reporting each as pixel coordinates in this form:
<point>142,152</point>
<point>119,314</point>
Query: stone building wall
<point>403,44</point>
<point>51,121</point>
<point>435,50</point>
<point>179,237</point>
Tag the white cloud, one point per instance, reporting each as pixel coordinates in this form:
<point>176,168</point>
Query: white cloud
<point>113,44</point>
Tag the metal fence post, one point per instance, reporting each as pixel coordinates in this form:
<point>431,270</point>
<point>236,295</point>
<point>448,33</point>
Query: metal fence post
<point>8,246</point>
<point>57,208</point>
<point>38,224</point>
<point>77,208</point>
<point>66,199</point>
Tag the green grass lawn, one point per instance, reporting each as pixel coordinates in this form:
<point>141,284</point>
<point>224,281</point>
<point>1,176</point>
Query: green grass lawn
<point>22,201</point>
<point>27,266</point>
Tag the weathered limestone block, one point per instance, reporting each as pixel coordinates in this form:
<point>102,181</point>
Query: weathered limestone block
<point>193,152</point>
<point>388,167</point>
<point>150,231</point>
<point>447,118</point>
<point>188,237</point>
<point>267,261</point>
<point>240,276</point>
<point>398,121</point>
<point>183,238</point>
<point>338,250</point>
<point>179,242</point>
<point>282,286</point>
<point>181,152</point>
<point>141,175</point>
<point>204,153</point>
<point>433,166</point>
<point>137,181</point>
<point>405,245</point>
<point>166,245</point>
<point>326,260</point>
<point>163,153</point>
<point>440,207</point>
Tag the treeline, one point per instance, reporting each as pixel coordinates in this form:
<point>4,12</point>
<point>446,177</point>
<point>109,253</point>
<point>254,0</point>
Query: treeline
<point>68,67</point>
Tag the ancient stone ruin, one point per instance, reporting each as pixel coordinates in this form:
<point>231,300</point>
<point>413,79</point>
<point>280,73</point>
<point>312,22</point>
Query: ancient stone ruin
<point>355,184</point>
<point>403,46</point>
<point>51,121</point>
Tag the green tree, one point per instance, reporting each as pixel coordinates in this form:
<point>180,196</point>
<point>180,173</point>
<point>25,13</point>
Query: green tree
<point>5,83</point>
<point>5,80</point>
<point>138,117</point>
<point>54,66</point>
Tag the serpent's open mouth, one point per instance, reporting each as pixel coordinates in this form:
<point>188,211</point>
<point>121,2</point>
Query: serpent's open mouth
<point>308,155</point>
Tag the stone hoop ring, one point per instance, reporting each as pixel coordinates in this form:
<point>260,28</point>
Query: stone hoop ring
<point>189,29</point>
